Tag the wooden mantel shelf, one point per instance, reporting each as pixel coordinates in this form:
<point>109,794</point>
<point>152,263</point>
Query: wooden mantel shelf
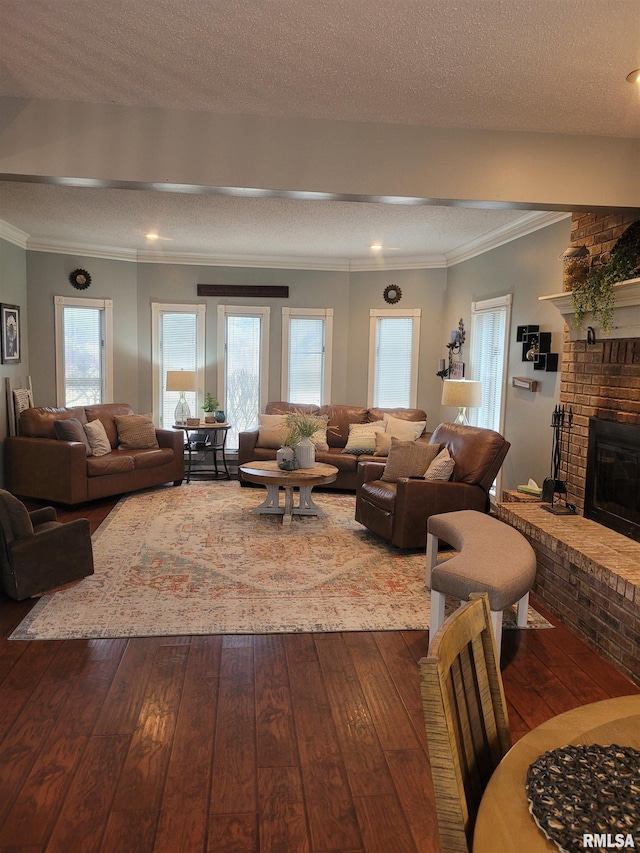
<point>626,318</point>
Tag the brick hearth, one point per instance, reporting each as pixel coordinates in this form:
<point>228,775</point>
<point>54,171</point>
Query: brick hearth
<point>588,576</point>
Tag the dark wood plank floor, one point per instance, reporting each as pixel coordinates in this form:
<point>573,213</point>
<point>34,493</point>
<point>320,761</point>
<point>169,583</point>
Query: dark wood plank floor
<point>236,744</point>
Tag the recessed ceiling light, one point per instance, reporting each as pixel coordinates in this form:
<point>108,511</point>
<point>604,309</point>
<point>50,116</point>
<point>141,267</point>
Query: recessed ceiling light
<point>376,247</point>
<point>151,236</point>
<point>634,77</point>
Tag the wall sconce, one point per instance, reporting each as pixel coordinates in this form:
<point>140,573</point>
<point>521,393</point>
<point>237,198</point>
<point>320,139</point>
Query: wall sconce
<point>454,346</point>
<point>181,380</point>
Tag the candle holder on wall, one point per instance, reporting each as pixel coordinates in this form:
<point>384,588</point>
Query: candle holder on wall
<point>457,339</point>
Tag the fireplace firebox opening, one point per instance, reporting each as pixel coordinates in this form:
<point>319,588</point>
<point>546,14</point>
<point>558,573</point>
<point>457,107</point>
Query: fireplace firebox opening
<point>612,488</point>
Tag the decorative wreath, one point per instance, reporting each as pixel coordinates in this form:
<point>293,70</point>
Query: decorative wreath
<point>392,294</point>
<point>80,279</point>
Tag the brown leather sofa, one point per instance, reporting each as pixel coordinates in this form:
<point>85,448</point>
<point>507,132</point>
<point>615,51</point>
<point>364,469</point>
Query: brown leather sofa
<point>340,416</point>
<point>398,512</point>
<point>38,465</point>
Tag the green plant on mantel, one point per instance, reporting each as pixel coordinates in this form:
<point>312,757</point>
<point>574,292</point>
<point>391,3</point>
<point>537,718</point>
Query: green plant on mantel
<point>596,294</point>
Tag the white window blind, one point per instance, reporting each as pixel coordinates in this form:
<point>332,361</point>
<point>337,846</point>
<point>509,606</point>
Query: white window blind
<point>244,335</point>
<point>488,357</point>
<point>178,351</point>
<point>393,358</point>
<point>306,355</point>
<point>178,344</point>
<point>84,351</point>
<point>490,322</point>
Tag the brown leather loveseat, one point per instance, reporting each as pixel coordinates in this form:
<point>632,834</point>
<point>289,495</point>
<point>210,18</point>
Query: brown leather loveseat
<point>340,417</point>
<point>39,465</point>
<point>398,511</point>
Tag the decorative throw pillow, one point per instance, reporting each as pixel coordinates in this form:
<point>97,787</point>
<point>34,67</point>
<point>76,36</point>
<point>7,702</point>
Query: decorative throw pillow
<point>383,444</point>
<point>135,432</point>
<point>403,429</point>
<point>272,431</point>
<point>442,466</point>
<point>408,459</point>
<point>97,436</point>
<point>319,439</point>
<point>70,429</point>
<point>362,438</point>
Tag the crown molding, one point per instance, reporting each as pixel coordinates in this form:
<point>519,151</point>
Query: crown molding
<point>13,235</point>
<point>86,250</point>
<point>262,261</point>
<point>526,224</point>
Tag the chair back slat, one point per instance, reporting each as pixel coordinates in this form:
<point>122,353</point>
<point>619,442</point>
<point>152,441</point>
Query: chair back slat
<point>465,717</point>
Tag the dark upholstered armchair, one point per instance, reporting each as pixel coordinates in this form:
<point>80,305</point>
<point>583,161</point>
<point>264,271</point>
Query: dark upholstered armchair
<point>37,552</point>
<point>399,511</point>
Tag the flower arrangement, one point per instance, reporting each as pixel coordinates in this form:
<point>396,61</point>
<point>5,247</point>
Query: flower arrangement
<point>303,425</point>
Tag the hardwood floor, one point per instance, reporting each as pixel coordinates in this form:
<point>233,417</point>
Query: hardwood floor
<point>236,744</point>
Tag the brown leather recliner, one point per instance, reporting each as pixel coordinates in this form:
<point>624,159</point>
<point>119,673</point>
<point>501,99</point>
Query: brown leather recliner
<point>37,552</point>
<point>398,512</point>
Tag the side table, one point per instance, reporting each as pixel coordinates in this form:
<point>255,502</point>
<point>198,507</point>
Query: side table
<point>215,442</point>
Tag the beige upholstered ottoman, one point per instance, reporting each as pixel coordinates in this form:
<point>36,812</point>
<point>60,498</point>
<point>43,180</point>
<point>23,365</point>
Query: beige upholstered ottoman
<point>492,557</point>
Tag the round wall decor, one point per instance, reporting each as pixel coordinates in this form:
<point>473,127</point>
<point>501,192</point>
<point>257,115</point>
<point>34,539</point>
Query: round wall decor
<point>392,294</point>
<point>80,279</point>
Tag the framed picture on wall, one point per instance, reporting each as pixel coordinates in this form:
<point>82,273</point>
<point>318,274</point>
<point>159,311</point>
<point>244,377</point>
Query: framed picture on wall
<point>457,370</point>
<point>10,337</point>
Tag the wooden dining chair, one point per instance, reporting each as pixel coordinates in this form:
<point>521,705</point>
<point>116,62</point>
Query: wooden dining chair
<point>465,716</point>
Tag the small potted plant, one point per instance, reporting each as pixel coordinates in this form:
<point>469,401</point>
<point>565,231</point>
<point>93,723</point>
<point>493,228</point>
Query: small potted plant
<point>301,427</point>
<point>210,407</point>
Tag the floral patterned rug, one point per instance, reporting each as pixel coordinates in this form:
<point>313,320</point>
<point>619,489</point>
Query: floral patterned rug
<point>192,560</point>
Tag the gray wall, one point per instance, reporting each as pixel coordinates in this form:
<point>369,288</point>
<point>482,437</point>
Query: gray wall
<point>527,268</point>
<point>13,290</point>
<point>48,276</point>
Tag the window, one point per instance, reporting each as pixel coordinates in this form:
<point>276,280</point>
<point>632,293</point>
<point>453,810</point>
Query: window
<point>307,335</point>
<point>393,357</point>
<point>243,353</point>
<point>490,322</point>
<point>177,344</point>
<point>84,351</point>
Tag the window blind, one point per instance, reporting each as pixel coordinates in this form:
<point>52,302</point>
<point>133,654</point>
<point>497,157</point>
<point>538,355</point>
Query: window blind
<point>487,358</point>
<point>83,361</point>
<point>178,351</point>
<point>306,360</point>
<point>393,362</point>
<point>242,374</point>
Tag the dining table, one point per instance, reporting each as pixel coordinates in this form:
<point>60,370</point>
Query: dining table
<point>504,823</point>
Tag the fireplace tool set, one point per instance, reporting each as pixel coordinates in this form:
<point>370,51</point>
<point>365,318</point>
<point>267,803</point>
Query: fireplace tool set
<point>554,489</point>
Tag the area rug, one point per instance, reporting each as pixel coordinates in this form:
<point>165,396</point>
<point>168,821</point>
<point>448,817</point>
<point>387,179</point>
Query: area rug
<point>192,560</point>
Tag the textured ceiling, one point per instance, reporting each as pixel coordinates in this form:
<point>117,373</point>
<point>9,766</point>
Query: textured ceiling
<point>555,66</point>
<point>224,227</point>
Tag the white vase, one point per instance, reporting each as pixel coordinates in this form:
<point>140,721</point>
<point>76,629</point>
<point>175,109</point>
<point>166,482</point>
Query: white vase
<point>305,453</point>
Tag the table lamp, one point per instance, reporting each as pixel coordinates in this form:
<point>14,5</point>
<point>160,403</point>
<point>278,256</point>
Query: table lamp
<point>181,380</point>
<point>462,393</point>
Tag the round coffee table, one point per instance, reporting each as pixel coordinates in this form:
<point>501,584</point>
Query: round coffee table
<point>270,475</point>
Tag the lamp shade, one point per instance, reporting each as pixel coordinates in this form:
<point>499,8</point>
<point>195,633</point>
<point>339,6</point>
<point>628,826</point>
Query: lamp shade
<point>462,393</point>
<point>181,380</point>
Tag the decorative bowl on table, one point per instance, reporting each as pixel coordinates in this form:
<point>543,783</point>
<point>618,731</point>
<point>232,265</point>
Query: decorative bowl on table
<point>193,422</point>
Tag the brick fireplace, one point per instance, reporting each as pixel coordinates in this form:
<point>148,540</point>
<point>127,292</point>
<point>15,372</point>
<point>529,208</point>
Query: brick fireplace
<point>599,380</point>
<point>588,575</point>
